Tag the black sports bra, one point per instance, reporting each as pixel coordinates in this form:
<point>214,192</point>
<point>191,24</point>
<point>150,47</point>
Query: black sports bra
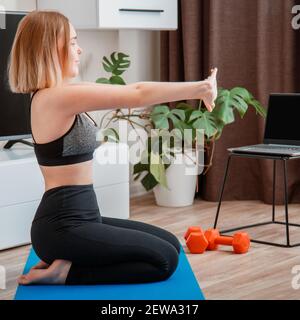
<point>76,145</point>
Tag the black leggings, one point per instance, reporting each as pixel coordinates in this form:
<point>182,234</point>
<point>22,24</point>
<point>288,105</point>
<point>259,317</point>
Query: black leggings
<point>68,225</point>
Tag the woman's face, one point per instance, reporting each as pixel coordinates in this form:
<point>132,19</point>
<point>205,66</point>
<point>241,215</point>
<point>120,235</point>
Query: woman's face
<point>75,51</point>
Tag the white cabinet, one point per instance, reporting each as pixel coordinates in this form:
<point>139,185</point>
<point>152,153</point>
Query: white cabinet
<point>116,14</point>
<point>22,186</point>
<point>81,13</point>
<point>17,5</point>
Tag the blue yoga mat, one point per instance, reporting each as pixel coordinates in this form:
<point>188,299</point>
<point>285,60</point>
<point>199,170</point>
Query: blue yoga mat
<point>182,285</point>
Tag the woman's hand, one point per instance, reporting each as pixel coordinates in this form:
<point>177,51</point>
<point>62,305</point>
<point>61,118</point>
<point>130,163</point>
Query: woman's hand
<point>211,93</point>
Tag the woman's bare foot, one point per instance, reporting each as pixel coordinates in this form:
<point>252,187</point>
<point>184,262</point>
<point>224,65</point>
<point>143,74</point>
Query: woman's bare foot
<point>56,273</point>
<point>212,93</point>
<point>41,265</point>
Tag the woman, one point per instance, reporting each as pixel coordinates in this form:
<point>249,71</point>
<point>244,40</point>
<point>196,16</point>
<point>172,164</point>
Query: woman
<point>75,243</point>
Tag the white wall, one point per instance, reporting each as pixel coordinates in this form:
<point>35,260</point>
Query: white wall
<point>141,45</point>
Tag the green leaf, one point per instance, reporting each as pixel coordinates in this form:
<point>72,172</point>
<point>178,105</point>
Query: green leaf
<point>220,126</point>
<point>195,115</point>
<point>157,169</point>
<point>237,98</point>
<point>258,107</point>
<point>179,113</point>
<point>184,106</point>
<point>162,113</point>
<point>207,123</point>
<point>160,109</point>
<point>225,113</point>
<point>140,167</point>
<point>160,122</point>
<point>102,80</point>
<point>224,110</point>
<point>117,65</point>
<point>149,182</point>
<point>116,80</point>
<point>242,92</point>
<point>240,105</point>
<point>188,109</point>
<point>159,117</point>
<point>174,120</point>
<point>107,65</point>
<point>223,93</point>
<point>181,125</point>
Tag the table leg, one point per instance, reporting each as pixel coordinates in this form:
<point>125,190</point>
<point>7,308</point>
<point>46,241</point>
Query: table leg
<point>286,203</point>
<point>222,190</point>
<point>274,184</point>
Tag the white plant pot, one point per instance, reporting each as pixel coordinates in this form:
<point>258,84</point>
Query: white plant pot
<point>181,180</point>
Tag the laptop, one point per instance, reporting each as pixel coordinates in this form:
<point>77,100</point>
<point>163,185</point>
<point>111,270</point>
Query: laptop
<point>282,128</point>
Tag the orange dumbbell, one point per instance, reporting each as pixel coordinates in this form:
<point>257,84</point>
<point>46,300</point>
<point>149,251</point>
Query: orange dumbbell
<point>195,240</point>
<point>240,240</point>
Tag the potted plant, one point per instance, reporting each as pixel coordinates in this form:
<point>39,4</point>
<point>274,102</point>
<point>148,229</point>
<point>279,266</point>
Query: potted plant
<point>168,167</point>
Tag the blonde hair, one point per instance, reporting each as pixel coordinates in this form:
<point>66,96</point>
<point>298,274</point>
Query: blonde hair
<point>35,61</point>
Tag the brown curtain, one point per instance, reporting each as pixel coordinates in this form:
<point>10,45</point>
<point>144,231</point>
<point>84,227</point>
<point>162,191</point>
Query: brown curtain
<point>254,46</point>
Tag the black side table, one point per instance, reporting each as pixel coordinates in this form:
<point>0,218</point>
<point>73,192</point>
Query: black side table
<point>284,160</point>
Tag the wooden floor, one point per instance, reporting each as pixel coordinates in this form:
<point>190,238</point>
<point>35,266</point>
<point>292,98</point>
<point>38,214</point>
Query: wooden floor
<point>265,272</point>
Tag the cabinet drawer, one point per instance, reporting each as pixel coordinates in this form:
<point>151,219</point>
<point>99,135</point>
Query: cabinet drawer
<point>113,201</point>
<point>116,14</point>
<point>21,181</point>
<point>16,223</point>
<point>82,14</point>
<point>136,14</point>
<point>24,5</point>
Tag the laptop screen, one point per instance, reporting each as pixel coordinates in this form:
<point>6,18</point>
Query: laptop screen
<point>283,119</point>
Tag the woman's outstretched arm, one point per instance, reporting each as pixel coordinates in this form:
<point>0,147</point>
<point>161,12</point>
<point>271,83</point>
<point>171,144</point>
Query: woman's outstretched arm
<point>74,99</point>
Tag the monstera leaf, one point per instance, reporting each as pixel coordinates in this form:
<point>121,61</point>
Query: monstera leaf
<point>237,98</point>
<point>205,121</point>
<point>116,80</point>
<point>117,65</point>
<point>103,80</point>
<point>161,115</point>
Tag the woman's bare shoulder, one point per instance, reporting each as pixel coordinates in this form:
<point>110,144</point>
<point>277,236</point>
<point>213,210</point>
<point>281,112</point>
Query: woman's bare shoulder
<point>75,98</point>
<point>48,98</point>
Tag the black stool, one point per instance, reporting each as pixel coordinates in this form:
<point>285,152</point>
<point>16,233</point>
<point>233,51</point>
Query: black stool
<point>284,160</point>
